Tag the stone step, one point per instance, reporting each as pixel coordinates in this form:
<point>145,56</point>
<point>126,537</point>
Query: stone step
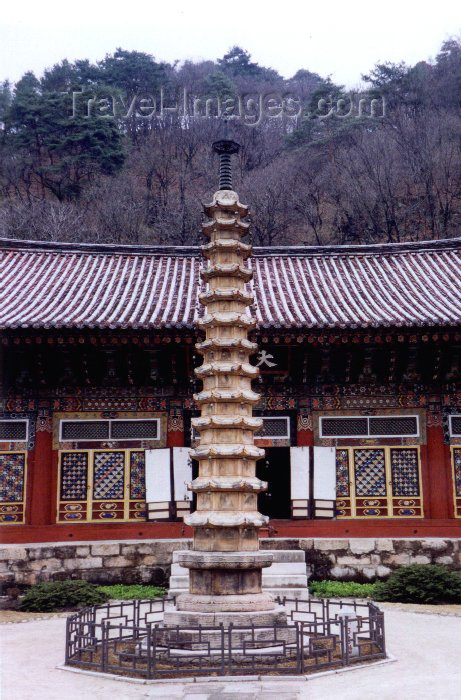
<point>287,555</point>
<point>179,582</point>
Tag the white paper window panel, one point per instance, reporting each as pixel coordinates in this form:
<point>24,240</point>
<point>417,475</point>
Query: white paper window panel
<point>158,485</point>
<point>299,459</point>
<point>325,473</point>
<point>158,514</point>
<point>182,467</point>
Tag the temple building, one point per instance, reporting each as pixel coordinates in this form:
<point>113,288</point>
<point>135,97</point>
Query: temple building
<point>359,357</point>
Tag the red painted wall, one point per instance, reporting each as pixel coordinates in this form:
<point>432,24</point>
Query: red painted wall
<point>175,438</point>
<point>304,438</point>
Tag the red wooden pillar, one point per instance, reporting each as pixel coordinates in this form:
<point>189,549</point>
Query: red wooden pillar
<point>439,497</point>
<point>42,494</point>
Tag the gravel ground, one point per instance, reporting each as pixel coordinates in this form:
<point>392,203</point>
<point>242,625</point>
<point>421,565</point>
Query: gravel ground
<point>428,609</point>
<point>9,616</point>
<point>426,647</point>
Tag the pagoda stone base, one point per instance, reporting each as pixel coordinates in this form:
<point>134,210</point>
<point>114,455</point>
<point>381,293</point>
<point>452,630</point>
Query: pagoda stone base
<point>243,603</point>
<point>184,632</point>
<point>225,588</point>
<point>190,618</point>
<point>285,577</point>
<point>226,580</point>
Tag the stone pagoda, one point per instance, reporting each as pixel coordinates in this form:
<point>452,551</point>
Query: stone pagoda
<point>225,563</point>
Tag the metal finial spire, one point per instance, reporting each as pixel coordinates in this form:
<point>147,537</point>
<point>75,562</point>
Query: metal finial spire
<point>225,147</point>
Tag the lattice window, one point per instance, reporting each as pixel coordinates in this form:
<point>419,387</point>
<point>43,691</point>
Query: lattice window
<point>84,430</point>
<point>109,475</point>
<point>393,425</point>
<point>370,472</point>
<point>12,487</point>
<point>405,472</point>
<point>369,426</point>
<point>74,476</point>
<point>275,428</point>
<point>344,427</point>
<point>12,473</point>
<point>14,430</point>
<point>455,426</point>
<point>342,473</point>
<point>378,482</point>
<point>456,462</point>
<point>137,475</point>
<point>134,429</point>
<point>113,429</point>
<point>457,466</point>
<point>100,485</point>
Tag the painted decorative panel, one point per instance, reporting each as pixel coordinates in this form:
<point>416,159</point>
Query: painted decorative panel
<point>109,474</point>
<point>108,510</point>
<point>456,458</point>
<point>370,472</point>
<point>12,487</point>
<point>12,475</point>
<point>74,476</point>
<point>137,475</point>
<point>384,482</point>
<point>457,469</point>
<point>405,472</point>
<point>101,485</point>
<point>406,482</point>
<point>342,474</point>
<point>343,481</point>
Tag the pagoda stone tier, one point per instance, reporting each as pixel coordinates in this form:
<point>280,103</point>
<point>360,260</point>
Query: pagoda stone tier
<point>225,564</point>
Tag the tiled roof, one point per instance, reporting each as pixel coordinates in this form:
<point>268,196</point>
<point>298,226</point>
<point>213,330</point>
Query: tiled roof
<point>57,285</point>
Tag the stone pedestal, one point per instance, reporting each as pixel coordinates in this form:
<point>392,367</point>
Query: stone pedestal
<point>224,588</point>
<point>286,577</point>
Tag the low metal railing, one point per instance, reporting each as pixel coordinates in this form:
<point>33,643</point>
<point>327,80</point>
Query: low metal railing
<point>129,639</point>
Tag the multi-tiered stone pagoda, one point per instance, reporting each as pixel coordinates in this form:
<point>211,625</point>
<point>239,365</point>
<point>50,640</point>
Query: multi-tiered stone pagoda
<point>225,563</point>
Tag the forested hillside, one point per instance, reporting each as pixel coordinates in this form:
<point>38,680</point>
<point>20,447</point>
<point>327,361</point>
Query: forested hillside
<point>98,152</point>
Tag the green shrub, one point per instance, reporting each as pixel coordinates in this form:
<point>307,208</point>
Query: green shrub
<point>61,595</point>
<point>122,592</point>
<point>420,583</point>
<point>341,589</point>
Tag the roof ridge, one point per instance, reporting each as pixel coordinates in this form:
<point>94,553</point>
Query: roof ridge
<point>195,250</point>
<point>406,246</point>
<point>70,247</point>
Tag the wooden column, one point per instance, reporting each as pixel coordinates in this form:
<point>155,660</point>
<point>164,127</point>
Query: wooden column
<point>41,501</point>
<point>438,464</point>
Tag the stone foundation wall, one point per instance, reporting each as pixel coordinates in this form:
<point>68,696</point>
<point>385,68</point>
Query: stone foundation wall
<point>129,561</point>
<point>143,561</point>
<point>367,559</point>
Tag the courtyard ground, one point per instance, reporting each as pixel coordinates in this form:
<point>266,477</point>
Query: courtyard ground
<point>426,647</point>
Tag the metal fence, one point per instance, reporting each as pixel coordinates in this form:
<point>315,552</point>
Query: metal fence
<point>129,639</point>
